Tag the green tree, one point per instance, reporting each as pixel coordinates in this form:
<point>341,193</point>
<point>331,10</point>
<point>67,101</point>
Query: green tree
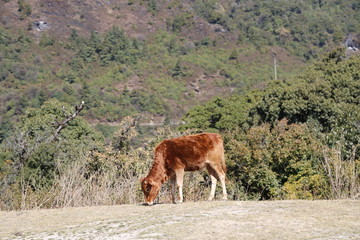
<point>209,10</point>
<point>222,114</point>
<point>320,93</point>
<point>234,55</point>
<point>178,70</point>
<point>116,47</point>
<point>44,138</point>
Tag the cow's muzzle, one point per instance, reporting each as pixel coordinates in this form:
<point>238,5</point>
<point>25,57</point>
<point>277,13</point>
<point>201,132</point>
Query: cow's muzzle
<point>148,204</point>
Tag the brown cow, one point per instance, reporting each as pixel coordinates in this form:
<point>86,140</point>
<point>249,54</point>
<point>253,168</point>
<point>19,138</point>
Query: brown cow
<point>186,153</point>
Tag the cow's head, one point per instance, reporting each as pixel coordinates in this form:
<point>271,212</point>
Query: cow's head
<point>150,189</point>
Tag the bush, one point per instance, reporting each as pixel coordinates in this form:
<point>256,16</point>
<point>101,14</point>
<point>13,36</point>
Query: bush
<point>24,9</point>
<point>45,41</point>
<point>283,162</point>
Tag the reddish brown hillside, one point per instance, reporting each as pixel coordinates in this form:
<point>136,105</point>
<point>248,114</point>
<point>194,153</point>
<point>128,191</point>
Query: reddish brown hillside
<point>58,17</point>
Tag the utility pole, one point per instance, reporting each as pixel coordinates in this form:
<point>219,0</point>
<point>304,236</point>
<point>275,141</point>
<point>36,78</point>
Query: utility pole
<point>275,71</point>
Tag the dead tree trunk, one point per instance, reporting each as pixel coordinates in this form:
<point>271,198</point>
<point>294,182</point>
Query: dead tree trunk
<point>61,125</point>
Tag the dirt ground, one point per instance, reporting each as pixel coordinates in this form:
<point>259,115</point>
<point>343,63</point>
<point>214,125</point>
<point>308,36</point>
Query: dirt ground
<point>191,220</point>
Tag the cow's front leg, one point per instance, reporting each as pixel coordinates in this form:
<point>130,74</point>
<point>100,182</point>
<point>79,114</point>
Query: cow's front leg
<point>179,183</point>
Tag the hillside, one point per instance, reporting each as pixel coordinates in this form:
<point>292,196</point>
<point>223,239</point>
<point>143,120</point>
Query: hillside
<point>192,220</point>
<point>142,68</point>
<point>157,58</point>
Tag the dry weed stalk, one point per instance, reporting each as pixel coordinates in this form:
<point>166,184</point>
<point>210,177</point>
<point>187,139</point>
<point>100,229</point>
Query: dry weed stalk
<point>343,174</point>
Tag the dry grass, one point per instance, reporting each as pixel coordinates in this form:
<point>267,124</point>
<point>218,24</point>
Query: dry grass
<point>192,220</point>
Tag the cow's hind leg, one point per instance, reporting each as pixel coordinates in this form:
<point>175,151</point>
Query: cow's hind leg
<point>216,173</point>
<point>213,177</point>
<point>213,187</point>
<point>179,183</point>
<point>173,188</point>
<point>222,180</point>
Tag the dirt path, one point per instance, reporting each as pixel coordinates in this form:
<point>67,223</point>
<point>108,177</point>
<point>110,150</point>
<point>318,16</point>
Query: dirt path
<point>194,220</point>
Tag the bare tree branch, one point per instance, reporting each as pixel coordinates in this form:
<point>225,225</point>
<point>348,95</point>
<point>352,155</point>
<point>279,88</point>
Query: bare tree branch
<point>63,124</point>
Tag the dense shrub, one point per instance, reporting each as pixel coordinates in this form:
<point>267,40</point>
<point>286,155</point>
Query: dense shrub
<point>283,162</point>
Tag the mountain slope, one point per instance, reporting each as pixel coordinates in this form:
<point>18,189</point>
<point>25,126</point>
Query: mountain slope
<point>156,57</point>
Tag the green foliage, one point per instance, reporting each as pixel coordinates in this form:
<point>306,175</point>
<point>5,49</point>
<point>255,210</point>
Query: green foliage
<point>146,102</point>
<point>306,184</point>
<point>119,76</point>
<point>282,162</point>
<point>177,24</point>
<point>234,55</point>
<point>39,124</point>
<point>320,93</point>
<point>179,21</point>
<point>100,66</point>
<point>152,6</point>
<point>40,168</point>
<point>210,10</point>
<point>45,41</point>
<point>270,158</point>
<point>222,114</point>
<point>345,133</point>
<point>178,70</point>
<point>24,9</point>
<point>115,46</point>
<point>303,28</point>
<point>33,151</point>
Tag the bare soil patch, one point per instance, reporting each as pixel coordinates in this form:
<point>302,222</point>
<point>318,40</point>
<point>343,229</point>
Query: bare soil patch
<point>192,220</point>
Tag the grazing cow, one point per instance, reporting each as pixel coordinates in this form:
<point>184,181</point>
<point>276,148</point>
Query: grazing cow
<point>186,153</point>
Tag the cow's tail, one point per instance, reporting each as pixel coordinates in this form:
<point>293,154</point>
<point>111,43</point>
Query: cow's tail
<point>223,164</point>
<point>222,155</point>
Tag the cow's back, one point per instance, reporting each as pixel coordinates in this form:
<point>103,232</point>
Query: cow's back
<point>190,152</point>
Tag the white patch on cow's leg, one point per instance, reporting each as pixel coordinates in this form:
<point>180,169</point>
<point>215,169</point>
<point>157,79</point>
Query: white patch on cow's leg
<point>213,188</point>
<point>180,194</point>
<point>222,180</point>
<point>179,182</point>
